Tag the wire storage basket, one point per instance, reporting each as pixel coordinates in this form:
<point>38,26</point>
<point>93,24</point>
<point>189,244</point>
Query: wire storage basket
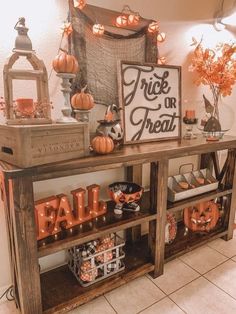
<point>97,260</point>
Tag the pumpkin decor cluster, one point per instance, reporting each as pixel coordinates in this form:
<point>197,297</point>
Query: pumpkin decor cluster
<point>109,132</point>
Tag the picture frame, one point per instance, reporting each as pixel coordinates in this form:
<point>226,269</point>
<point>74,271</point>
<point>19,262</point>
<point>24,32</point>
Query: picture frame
<point>150,99</point>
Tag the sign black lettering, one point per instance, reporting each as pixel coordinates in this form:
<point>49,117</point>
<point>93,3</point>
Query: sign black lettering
<point>151,101</point>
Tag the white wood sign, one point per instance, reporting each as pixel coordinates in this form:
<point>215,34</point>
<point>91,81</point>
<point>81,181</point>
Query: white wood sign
<point>150,96</point>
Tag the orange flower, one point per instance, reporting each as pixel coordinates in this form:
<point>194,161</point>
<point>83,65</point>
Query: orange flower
<point>216,68</point>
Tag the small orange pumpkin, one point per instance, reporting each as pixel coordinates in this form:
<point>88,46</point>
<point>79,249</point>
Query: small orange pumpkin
<point>102,144</point>
<point>82,100</point>
<point>65,63</point>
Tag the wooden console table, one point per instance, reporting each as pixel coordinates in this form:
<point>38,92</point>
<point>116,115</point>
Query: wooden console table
<point>57,291</point>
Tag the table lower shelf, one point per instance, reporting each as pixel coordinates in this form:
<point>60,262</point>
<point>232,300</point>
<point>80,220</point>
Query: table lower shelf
<point>185,243</point>
<point>97,227</point>
<point>62,292</point>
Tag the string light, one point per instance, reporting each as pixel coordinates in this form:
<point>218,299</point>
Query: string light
<point>66,29</point>
<point>161,37</point>
<point>127,17</point>
<point>121,21</point>
<point>80,4</point>
<point>133,19</point>
<point>98,29</point>
<point>161,60</point>
<point>153,27</point>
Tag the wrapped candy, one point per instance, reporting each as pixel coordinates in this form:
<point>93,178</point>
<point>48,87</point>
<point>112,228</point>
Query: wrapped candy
<point>87,273</point>
<point>107,242</point>
<point>104,257</point>
<point>89,276</point>
<point>88,249</point>
<point>113,266</point>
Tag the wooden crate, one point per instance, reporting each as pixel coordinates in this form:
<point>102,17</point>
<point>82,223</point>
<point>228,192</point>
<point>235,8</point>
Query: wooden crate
<point>27,146</point>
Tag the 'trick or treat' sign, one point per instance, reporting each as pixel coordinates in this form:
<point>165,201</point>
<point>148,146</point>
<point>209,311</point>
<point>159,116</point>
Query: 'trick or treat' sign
<point>150,97</point>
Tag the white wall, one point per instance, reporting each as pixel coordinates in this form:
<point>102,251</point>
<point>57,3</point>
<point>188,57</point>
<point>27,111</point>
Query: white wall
<point>180,19</point>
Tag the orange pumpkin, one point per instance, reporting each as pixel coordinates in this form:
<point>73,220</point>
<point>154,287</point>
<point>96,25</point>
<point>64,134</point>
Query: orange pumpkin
<point>102,144</point>
<point>65,63</point>
<point>201,217</point>
<point>82,100</point>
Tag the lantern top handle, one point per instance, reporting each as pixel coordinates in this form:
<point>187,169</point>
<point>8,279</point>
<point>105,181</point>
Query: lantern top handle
<point>23,43</point>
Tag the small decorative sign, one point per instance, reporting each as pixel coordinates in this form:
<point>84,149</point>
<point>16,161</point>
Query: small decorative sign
<point>150,96</point>
<point>55,213</point>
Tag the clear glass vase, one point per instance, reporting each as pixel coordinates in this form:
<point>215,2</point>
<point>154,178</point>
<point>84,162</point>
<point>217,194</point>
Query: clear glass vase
<point>210,125</point>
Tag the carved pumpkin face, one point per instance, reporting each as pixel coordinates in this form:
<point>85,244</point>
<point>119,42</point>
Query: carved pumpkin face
<point>201,217</point>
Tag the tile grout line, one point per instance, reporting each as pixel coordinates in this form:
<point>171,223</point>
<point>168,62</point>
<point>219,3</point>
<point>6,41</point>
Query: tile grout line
<point>220,288</point>
<point>199,275</point>
<point>219,251</point>
<point>178,304</point>
<point>165,296</point>
<point>109,303</point>
<point>155,284</point>
<point>208,270</point>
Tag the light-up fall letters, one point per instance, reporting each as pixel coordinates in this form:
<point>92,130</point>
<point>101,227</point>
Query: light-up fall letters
<point>55,213</point>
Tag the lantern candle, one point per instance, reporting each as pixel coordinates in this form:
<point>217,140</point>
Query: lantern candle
<point>25,106</point>
<point>190,114</point>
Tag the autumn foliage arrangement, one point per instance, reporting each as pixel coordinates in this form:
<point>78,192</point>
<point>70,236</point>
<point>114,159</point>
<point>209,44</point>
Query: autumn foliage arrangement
<point>217,69</point>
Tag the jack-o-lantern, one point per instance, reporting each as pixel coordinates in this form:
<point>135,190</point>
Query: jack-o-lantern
<point>111,126</point>
<point>201,217</point>
<point>82,100</point>
<point>112,129</point>
<point>65,63</point>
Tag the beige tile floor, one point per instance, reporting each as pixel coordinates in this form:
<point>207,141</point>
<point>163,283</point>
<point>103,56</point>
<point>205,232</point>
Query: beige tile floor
<point>202,281</point>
